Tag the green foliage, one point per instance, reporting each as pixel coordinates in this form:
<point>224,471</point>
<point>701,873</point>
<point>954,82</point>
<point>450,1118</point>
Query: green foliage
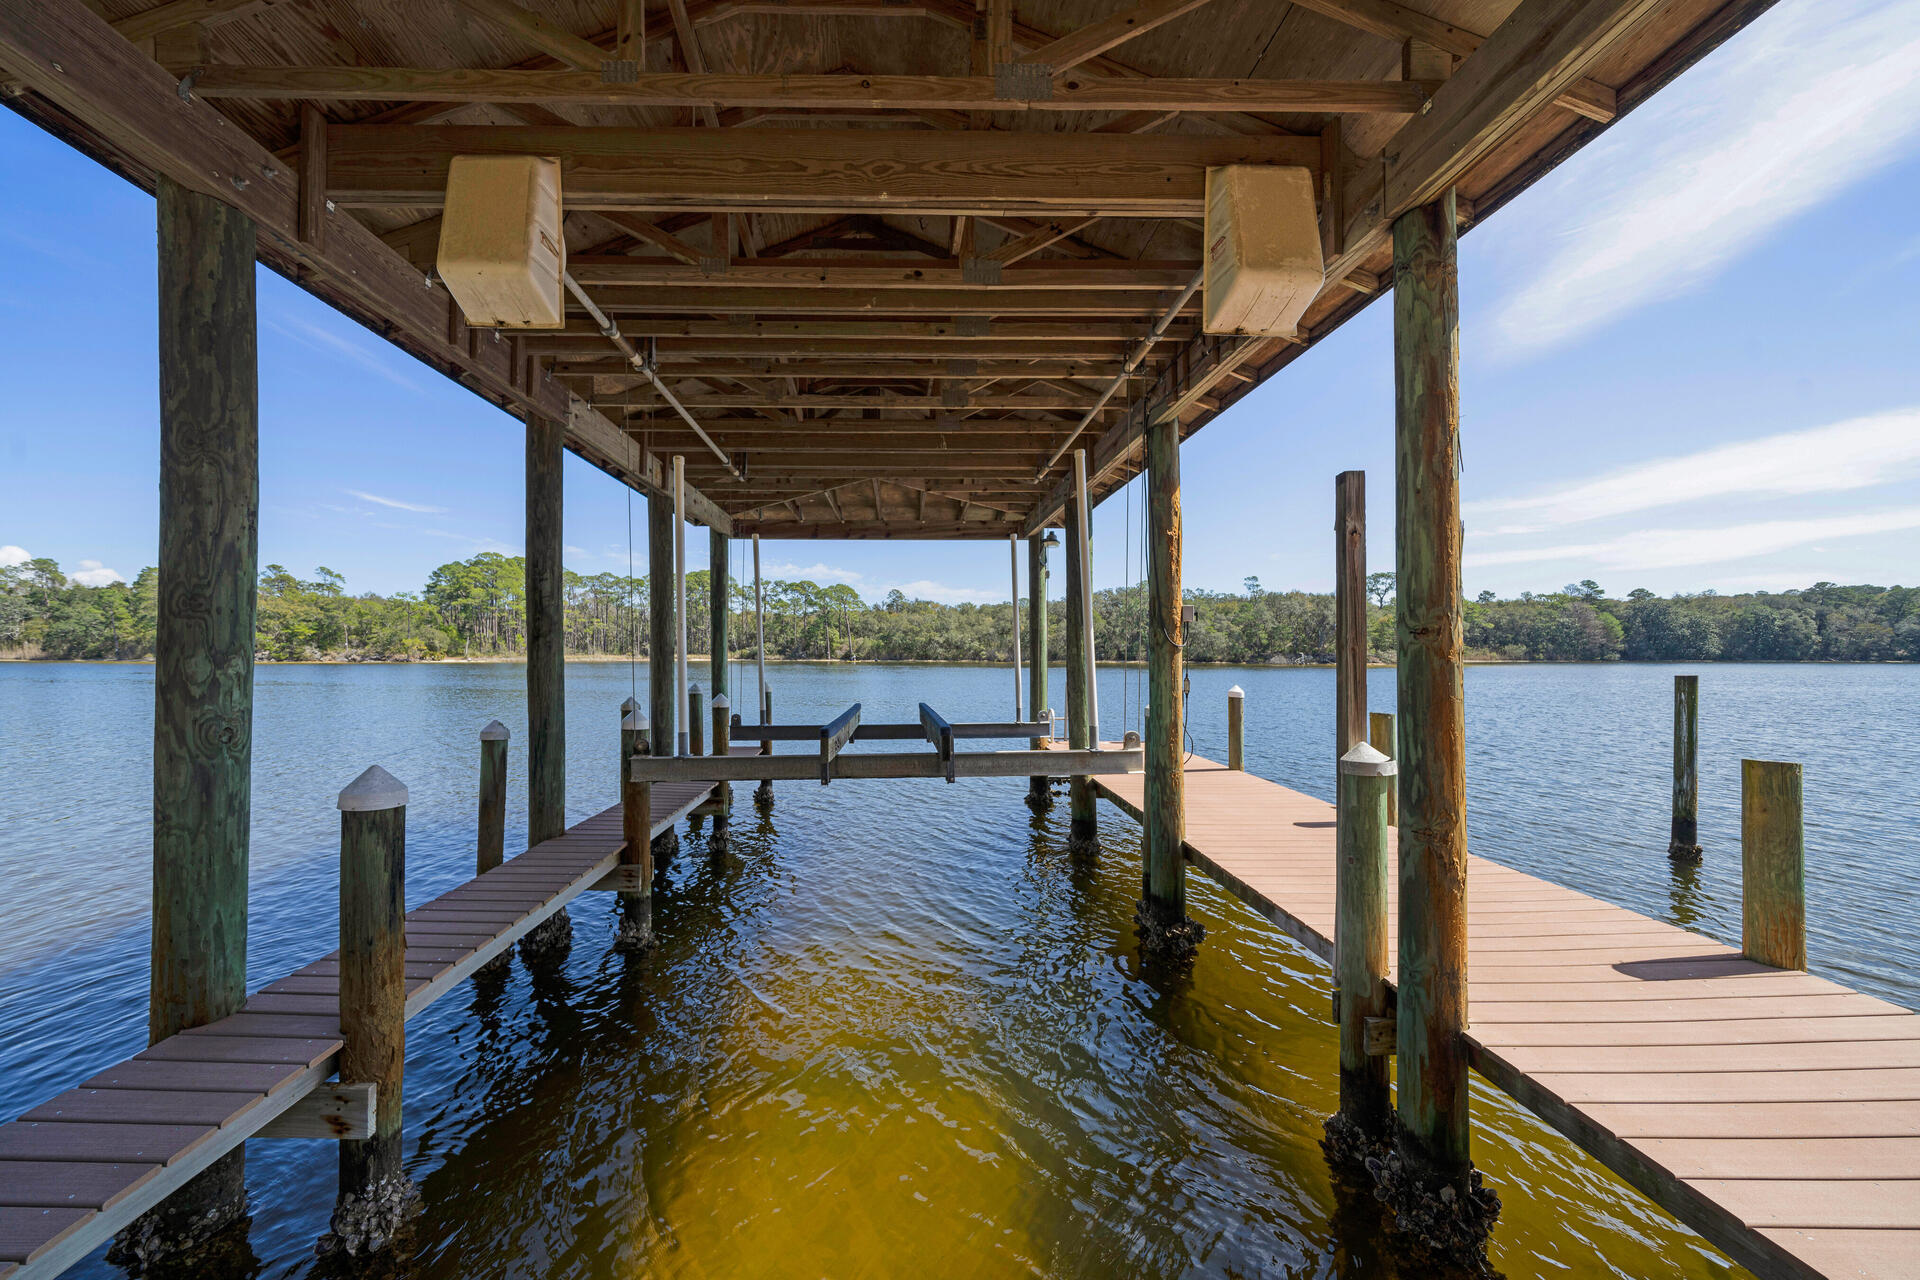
<point>477,607</point>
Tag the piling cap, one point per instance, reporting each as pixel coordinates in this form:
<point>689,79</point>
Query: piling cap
<point>720,702</point>
<point>494,732</point>
<point>373,790</point>
<point>628,705</point>
<point>694,689</point>
<point>635,719</point>
<point>1236,692</point>
<point>1364,761</point>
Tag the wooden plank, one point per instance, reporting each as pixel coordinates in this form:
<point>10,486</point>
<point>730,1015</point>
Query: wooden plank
<point>771,170</point>
<point>143,1106</point>
<point>25,1234</point>
<point>333,1112</point>
<point>185,1077</point>
<point>618,271</point>
<point>880,92</point>
<point>156,1144</point>
<point>834,735</point>
<point>69,1184</point>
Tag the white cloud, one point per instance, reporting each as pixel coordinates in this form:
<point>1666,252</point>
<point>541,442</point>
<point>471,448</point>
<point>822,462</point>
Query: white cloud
<point>1649,549</point>
<point>10,555</point>
<point>396,503</point>
<point>319,339</point>
<point>94,574</point>
<point>813,573</point>
<point>1842,456</point>
<point>940,593</point>
<point>1809,100</point>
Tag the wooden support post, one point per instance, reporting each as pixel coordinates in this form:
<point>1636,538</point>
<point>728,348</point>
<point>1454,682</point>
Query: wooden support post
<point>1432,1006</point>
<point>375,1194</point>
<point>1349,615</point>
<point>1683,841</point>
<point>1083,826</point>
<point>662,701</point>
<point>546,636</point>
<point>722,803</point>
<point>1773,871</point>
<point>680,655</point>
<point>203,661</point>
<point>1163,912</point>
<point>1086,594</point>
<point>636,826</point>
<point>1013,567</point>
<point>763,794</point>
<point>1380,738</point>
<point>1236,728</point>
<point>1360,936</point>
<point>493,798</point>
<point>546,667</point>
<point>696,721</point>
<point>718,616</point>
<point>1039,796</point>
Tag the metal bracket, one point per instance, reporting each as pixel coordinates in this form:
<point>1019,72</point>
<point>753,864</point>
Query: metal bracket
<point>620,71</point>
<point>1023,82</point>
<point>980,270</point>
<point>972,326</point>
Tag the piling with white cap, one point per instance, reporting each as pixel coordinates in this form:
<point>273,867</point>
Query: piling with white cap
<point>1360,939</point>
<point>1236,727</point>
<point>636,829</point>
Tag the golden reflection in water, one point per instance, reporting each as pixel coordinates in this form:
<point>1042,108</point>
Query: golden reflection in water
<point>918,1050</point>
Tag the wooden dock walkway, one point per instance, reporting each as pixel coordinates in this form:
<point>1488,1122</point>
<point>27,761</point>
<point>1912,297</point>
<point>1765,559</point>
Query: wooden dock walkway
<point>1776,1113</point>
<point>79,1167</point>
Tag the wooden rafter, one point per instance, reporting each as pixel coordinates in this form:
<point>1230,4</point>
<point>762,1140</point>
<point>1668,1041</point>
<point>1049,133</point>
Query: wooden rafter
<point>1111,32</point>
<point>900,93</point>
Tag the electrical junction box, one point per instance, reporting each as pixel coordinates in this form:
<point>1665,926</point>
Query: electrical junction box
<point>1263,249</point>
<point>502,253</point>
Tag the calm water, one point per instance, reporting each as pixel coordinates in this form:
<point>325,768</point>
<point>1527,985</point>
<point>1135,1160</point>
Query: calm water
<point>897,1031</point>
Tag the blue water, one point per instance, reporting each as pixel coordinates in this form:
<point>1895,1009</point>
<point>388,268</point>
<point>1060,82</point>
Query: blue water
<point>897,1030</point>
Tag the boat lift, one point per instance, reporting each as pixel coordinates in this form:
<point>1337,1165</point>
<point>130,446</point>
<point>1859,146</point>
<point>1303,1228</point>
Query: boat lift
<point>943,761</point>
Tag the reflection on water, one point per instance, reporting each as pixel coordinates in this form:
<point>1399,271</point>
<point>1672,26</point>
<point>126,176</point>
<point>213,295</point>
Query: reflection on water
<point>893,1030</point>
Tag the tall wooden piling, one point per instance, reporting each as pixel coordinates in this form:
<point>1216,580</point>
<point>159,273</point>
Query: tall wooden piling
<point>1083,826</point>
<point>1236,728</point>
<point>203,658</point>
<point>1380,738</point>
<point>1432,1019</point>
<point>1349,615</point>
<point>1038,795</point>
<point>662,708</point>
<point>636,826</point>
<point>492,850</point>
<point>1164,910</point>
<point>763,794</point>
<point>722,745</point>
<point>718,615</point>
<point>546,636</point>
<point>374,1192</point>
<point>1773,872</point>
<point>696,721</point>
<point>1360,937</point>
<point>1684,837</point>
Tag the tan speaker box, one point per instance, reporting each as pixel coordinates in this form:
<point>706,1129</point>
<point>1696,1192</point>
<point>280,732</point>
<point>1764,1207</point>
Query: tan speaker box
<point>1263,249</point>
<point>502,253</point>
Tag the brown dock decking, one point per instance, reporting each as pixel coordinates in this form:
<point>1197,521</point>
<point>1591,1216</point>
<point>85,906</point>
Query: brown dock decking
<point>80,1166</point>
<point>1775,1112</point>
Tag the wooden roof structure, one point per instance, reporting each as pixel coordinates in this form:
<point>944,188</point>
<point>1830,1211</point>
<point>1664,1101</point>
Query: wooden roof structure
<point>890,253</point>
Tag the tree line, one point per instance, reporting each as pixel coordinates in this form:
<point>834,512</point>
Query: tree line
<point>476,608</point>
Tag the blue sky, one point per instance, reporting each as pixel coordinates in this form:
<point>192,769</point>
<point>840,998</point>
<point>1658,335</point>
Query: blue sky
<point>1690,359</point>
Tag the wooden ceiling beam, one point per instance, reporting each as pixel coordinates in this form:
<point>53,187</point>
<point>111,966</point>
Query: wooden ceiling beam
<point>855,370</point>
<point>724,299</point>
<point>543,34</point>
<point>1397,22</point>
<point>814,170</point>
<point>840,530</point>
<point>1111,32</point>
<point>902,93</point>
<point>1077,332</point>
<point>646,232</point>
<point>882,400</point>
<point>163,18</point>
<point>618,271</point>
<point>678,351</point>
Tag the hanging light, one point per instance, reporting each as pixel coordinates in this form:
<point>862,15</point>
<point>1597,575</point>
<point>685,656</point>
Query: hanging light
<point>1051,541</point>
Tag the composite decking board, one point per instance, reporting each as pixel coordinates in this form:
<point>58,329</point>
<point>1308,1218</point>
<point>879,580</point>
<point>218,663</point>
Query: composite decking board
<point>81,1165</point>
<point>1778,1113</point>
